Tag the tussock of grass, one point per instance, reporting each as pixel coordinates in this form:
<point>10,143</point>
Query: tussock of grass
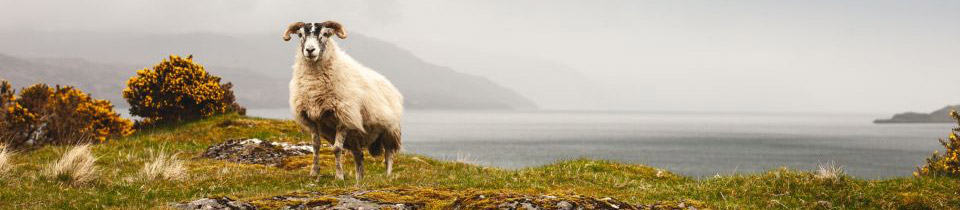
<point>830,171</point>
<point>5,164</point>
<point>163,167</point>
<point>76,166</point>
<point>632,183</point>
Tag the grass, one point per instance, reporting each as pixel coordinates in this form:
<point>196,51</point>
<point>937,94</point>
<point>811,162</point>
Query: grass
<point>76,166</point>
<point>163,166</point>
<point>119,159</point>
<point>4,160</point>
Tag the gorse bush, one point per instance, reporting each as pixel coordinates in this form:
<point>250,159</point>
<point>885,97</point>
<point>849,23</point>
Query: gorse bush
<point>178,89</point>
<point>948,163</point>
<point>42,115</point>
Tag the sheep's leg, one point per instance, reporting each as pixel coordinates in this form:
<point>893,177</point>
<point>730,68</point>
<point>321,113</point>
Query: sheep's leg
<point>358,161</point>
<point>388,160</point>
<point>338,157</point>
<point>317,142</point>
<point>338,153</point>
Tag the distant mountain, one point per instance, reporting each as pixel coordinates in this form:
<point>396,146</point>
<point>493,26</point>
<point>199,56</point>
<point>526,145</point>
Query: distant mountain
<point>258,65</point>
<point>549,84</point>
<point>940,116</point>
<point>106,81</point>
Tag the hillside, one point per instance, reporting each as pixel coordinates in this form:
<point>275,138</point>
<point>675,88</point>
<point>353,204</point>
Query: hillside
<point>941,115</point>
<point>557,86</point>
<point>260,63</point>
<point>422,182</point>
<point>107,81</point>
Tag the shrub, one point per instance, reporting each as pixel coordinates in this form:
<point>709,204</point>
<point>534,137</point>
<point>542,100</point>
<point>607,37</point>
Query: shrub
<point>948,163</point>
<point>177,89</point>
<point>42,115</point>
<point>76,166</point>
<point>6,98</point>
<point>163,166</point>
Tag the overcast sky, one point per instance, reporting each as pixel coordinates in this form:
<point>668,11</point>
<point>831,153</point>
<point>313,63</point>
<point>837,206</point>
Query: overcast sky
<point>770,56</point>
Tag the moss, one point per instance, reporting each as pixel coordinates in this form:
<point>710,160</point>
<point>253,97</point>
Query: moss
<point>306,200</point>
<point>429,197</point>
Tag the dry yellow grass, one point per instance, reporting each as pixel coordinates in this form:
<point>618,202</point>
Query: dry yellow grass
<point>829,171</point>
<point>5,164</point>
<point>163,166</point>
<point>76,166</point>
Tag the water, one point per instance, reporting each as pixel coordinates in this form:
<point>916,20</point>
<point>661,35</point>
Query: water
<point>693,144</point>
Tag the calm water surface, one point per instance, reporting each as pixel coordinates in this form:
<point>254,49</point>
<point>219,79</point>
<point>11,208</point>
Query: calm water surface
<point>694,144</point>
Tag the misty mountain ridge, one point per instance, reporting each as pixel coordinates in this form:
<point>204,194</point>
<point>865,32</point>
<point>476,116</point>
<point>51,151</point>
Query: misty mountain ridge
<point>556,86</point>
<point>941,115</point>
<point>106,81</point>
<point>258,65</point>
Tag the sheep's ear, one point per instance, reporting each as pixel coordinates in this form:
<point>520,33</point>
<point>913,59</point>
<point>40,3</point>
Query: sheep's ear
<point>337,28</point>
<point>292,28</point>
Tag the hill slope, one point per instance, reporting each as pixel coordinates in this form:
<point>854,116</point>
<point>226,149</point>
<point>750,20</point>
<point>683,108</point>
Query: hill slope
<point>423,181</point>
<point>941,115</point>
<point>106,81</point>
<point>262,62</point>
<point>549,84</point>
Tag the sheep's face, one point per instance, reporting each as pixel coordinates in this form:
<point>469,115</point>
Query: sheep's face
<point>313,40</point>
<point>314,37</point>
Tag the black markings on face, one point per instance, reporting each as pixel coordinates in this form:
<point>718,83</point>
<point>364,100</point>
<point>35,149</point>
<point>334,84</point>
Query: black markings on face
<point>313,38</point>
<point>313,29</point>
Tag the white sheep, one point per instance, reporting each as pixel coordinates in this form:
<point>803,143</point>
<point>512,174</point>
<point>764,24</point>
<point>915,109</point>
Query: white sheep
<point>334,97</point>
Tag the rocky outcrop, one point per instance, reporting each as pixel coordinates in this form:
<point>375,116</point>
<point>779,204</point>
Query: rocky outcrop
<point>256,151</point>
<point>215,203</point>
<point>940,116</point>
<point>426,198</point>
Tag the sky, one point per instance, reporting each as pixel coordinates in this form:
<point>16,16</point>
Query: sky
<point>852,56</point>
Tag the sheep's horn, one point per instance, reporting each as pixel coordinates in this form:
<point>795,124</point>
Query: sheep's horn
<point>292,28</point>
<point>342,33</point>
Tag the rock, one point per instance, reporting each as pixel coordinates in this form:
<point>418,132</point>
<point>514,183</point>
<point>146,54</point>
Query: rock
<point>419,198</point>
<point>520,201</point>
<point>529,206</point>
<point>679,205</point>
<point>256,151</point>
<point>215,203</point>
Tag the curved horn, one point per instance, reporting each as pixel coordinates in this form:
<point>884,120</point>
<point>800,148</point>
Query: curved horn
<point>292,28</point>
<point>336,27</point>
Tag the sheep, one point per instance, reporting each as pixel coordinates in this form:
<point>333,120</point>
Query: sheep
<point>334,97</point>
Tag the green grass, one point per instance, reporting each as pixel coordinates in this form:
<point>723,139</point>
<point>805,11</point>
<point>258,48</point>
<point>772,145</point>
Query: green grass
<point>25,187</point>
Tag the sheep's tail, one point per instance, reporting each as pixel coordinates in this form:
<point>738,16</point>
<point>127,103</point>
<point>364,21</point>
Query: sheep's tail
<point>389,141</point>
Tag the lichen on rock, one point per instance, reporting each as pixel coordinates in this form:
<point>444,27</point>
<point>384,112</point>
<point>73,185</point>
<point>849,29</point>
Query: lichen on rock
<point>256,151</point>
<point>433,198</point>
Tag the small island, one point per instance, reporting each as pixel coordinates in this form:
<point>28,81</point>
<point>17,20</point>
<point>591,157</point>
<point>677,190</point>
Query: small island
<point>940,116</point>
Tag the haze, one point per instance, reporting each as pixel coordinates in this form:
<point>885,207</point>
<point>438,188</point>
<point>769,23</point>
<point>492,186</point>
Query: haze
<point>745,56</point>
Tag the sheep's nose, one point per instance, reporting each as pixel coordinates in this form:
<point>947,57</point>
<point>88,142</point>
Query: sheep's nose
<point>310,50</point>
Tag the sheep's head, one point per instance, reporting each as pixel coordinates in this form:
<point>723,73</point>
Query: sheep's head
<point>314,37</point>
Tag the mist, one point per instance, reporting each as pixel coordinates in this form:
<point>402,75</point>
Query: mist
<point>743,56</point>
